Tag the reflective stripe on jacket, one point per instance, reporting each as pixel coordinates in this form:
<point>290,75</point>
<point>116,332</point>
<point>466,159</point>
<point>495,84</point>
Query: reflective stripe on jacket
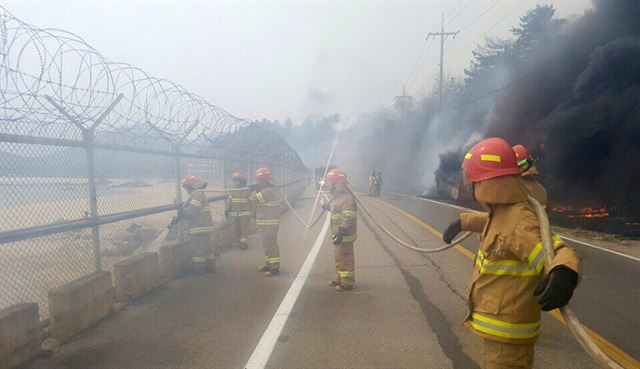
<point>198,214</point>
<point>344,215</point>
<point>239,203</point>
<point>268,207</point>
<point>508,266</point>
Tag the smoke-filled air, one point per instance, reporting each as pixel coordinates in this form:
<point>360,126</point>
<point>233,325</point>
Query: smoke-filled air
<point>320,184</point>
<point>567,89</point>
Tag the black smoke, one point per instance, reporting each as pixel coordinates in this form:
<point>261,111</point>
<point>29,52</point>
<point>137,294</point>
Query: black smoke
<point>575,100</point>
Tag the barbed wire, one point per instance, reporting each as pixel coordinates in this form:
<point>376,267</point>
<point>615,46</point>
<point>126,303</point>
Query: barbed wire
<point>37,64</point>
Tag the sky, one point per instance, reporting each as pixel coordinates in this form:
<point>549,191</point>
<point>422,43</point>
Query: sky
<point>280,60</point>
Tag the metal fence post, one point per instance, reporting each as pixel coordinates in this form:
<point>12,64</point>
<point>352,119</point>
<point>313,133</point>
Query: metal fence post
<point>88,136</point>
<point>175,145</point>
<point>176,150</point>
<point>224,171</point>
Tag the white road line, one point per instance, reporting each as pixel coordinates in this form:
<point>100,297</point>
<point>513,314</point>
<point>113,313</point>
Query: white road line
<point>450,205</point>
<point>561,235</point>
<point>263,350</point>
<point>600,248</point>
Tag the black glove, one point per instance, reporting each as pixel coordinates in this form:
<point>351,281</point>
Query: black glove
<point>556,289</point>
<point>452,231</point>
<point>326,206</point>
<point>337,237</point>
<point>174,221</point>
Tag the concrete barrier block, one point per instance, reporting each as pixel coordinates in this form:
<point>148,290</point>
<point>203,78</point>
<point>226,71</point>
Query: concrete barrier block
<point>224,235</point>
<point>19,334</point>
<point>80,304</point>
<point>172,260</point>
<point>136,276</point>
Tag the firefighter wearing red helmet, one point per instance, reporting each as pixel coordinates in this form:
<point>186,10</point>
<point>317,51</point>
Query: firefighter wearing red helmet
<point>530,174</point>
<point>197,213</point>
<point>344,213</point>
<point>239,210</point>
<point>509,289</point>
<point>475,222</point>
<point>268,208</point>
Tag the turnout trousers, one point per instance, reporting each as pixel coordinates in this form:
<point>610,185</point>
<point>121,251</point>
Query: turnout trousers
<point>269,236</point>
<point>202,257</point>
<point>242,225</point>
<point>500,355</point>
<point>345,274</point>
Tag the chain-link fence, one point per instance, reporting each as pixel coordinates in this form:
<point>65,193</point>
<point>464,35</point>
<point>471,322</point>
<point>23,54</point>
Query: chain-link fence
<point>91,157</point>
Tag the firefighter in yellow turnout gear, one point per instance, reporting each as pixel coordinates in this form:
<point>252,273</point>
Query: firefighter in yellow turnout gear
<point>239,209</point>
<point>475,222</point>
<point>197,213</point>
<point>268,208</point>
<point>509,288</point>
<point>344,213</point>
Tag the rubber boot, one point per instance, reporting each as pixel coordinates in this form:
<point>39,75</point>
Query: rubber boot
<point>198,265</point>
<point>342,288</point>
<point>264,269</point>
<point>211,264</point>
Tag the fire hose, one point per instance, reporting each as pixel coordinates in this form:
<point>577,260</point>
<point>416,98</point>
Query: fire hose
<point>225,190</point>
<point>567,313</point>
<point>307,226</point>
<point>463,237</point>
<point>284,198</point>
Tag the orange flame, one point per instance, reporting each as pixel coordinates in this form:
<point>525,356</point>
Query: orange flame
<point>587,212</point>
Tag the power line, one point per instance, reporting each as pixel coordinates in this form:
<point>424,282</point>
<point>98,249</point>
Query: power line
<point>419,64</point>
<point>454,7</point>
<point>443,35</point>
<point>480,16</point>
<point>459,13</point>
<point>422,55</point>
<point>434,70</point>
<point>459,50</point>
<point>520,79</point>
<point>468,25</point>
<point>494,91</point>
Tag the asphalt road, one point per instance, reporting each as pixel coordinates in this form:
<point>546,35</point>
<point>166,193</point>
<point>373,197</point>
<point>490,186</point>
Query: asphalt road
<point>405,312</point>
<point>608,297</point>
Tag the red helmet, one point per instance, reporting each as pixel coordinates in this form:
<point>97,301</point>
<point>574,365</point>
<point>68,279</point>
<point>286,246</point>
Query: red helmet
<point>488,159</point>
<point>522,155</point>
<point>191,181</point>
<point>263,174</point>
<point>237,176</point>
<point>337,176</point>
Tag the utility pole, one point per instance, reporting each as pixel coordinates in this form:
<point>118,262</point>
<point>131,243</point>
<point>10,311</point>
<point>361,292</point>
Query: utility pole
<point>404,96</point>
<point>403,102</point>
<point>443,35</point>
